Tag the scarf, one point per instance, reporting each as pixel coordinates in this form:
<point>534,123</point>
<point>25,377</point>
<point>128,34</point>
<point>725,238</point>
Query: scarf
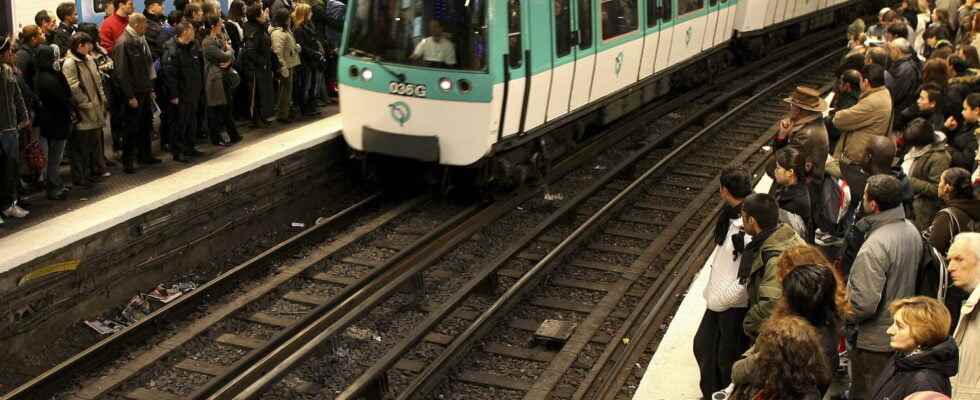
<point>728,213</point>
<point>751,250</point>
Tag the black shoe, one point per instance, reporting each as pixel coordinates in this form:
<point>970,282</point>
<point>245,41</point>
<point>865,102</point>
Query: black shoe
<point>109,163</point>
<point>129,167</point>
<point>312,113</point>
<point>59,196</point>
<point>150,161</point>
<point>181,159</point>
<point>194,153</point>
<point>284,120</point>
<point>235,137</point>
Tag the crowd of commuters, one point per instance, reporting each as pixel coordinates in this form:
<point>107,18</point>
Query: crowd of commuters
<point>69,87</point>
<point>874,206</point>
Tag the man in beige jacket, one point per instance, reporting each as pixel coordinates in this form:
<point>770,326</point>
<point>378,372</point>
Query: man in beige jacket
<point>964,268</point>
<point>871,116</point>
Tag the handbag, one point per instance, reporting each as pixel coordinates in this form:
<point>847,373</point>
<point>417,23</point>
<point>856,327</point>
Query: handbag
<point>231,79</point>
<point>31,151</point>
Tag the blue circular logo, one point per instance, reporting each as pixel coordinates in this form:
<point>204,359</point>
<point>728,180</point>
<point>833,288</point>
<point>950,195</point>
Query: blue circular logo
<point>400,112</point>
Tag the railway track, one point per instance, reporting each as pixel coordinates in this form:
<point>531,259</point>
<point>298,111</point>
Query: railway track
<point>588,267</point>
<point>398,272</point>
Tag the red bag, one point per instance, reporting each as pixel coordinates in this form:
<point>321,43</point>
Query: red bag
<point>31,151</point>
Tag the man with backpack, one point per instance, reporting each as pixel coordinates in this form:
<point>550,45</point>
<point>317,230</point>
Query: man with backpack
<point>884,270</point>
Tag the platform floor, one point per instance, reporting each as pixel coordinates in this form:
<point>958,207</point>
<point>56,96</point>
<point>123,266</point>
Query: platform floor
<point>54,224</point>
<point>43,209</point>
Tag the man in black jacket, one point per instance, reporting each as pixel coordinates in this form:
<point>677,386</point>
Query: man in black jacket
<point>68,16</point>
<point>256,61</point>
<point>154,27</point>
<point>183,74</point>
<point>13,116</point>
<point>133,76</point>
<point>906,75</point>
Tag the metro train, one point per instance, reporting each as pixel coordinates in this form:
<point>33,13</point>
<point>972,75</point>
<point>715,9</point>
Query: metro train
<point>503,87</point>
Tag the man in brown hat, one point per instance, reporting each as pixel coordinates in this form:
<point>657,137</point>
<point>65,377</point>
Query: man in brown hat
<point>804,130</point>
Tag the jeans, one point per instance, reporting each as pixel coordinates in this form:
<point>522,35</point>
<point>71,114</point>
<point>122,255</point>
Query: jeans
<point>55,150</point>
<point>9,169</point>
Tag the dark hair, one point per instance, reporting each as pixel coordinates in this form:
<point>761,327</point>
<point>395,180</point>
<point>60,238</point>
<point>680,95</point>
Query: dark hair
<point>116,3</point>
<point>934,92</point>
<point>959,64</point>
<point>281,18</point>
<point>89,28</point>
<point>737,181</point>
<point>209,9</point>
<point>852,77</point>
<point>182,27</point>
<point>253,12</point>
<point>41,17</point>
<point>973,100</point>
<point>936,71</point>
<point>919,132</point>
<point>77,40</point>
<point>191,9</point>
<point>210,22</point>
<point>878,56</point>
<point>236,11</point>
<point>942,52</point>
<point>885,190</point>
<point>972,56</point>
<point>64,10</point>
<point>791,159</point>
<point>853,60</point>
<point>875,74</point>
<point>898,30</point>
<point>810,292</point>
<point>961,181</point>
<point>936,31</point>
<point>763,208</point>
<point>175,17</point>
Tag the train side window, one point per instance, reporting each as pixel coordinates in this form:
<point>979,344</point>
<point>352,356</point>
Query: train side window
<point>584,24</point>
<point>516,48</point>
<point>653,14</point>
<point>713,3</point>
<point>666,10</point>
<point>563,28</point>
<point>687,6</point>
<point>618,17</point>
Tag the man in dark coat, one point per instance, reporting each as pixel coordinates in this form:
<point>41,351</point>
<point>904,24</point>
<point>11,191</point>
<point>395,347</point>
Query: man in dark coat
<point>13,116</point>
<point>183,73</point>
<point>53,117</point>
<point>155,20</point>
<point>846,95</point>
<point>906,76</point>
<point>256,62</point>
<point>68,16</point>
<point>133,76</point>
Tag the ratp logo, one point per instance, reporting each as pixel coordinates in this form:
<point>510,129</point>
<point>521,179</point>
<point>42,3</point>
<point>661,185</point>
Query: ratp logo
<point>619,63</point>
<point>400,112</point>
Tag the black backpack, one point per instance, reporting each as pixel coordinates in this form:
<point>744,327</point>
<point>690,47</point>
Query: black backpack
<point>956,224</point>
<point>931,275</point>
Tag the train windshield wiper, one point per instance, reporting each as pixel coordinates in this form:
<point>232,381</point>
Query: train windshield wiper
<point>374,58</point>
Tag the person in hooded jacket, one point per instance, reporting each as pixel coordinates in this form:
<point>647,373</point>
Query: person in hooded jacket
<point>85,83</point>
<point>791,191</point>
<point>961,137</point>
<point>923,163</point>
<point>218,56</point>
<point>257,60</point>
<point>54,116</point>
<point>183,71</point>
<point>105,65</point>
<point>927,107</point>
<point>925,355</point>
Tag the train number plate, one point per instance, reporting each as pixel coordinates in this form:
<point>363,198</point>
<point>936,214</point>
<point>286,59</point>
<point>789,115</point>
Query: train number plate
<point>407,89</point>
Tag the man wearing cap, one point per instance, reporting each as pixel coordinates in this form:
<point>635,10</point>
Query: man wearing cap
<point>154,27</point>
<point>804,130</point>
<point>13,116</point>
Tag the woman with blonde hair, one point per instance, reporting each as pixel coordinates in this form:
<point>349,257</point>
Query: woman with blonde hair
<point>925,355</point>
<point>310,56</point>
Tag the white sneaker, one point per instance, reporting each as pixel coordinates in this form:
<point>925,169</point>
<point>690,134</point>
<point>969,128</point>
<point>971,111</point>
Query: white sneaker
<point>15,211</point>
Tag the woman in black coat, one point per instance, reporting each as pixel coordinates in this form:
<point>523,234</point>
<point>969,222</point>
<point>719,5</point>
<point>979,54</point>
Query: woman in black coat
<point>791,192</point>
<point>925,355</point>
<point>54,116</point>
<point>311,56</point>
<point>256,61</point>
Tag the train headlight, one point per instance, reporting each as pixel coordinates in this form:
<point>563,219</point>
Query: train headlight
<point>445,84</point>
<point>367,74</point>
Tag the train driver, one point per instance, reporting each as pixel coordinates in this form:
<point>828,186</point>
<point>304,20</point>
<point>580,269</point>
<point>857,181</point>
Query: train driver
<point>435,50</point>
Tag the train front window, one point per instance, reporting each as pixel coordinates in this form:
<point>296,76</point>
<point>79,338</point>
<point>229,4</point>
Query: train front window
<point>432,33</point>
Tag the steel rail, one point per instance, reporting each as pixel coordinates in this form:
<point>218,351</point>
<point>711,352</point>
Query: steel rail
<point>428,378</point>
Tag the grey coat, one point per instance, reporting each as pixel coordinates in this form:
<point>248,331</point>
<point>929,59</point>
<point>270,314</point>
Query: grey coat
<point>214,56</point>
<point>13,111</point>
<point>884,270</point>
<point>85,82</point>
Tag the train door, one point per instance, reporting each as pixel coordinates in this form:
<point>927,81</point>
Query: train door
<point>710,26</point>
<point>651,39</point>
<point>538,54</point>
<point>619,52</point>
<point>688,30</point>
<point>666,34</point>
<point>514,90</point>
<point>584,55</point>
<point>726,16</point>
<point>562,58</point>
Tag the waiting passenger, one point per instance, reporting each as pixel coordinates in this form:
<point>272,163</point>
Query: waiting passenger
<point>287,52</point>
<point>183,72</point>
<point>13,116</point>
<point>804,129</point>
<point>885,18</point>
<point>757,268</point>
<point>880,274</point>
<point>846,95</point>
<point>54,117</point>
<point>962,211</point>
<point>925,356</point>
<point>964,269</point>
<point>926,107</point>
<point>435,50</point>
<point>906,71</point>
<point>962,137</point>
<point>719,341</point>
<point>85,82</point>
<point>924,163</point>
<point>871,116</point>
<point>787,363</point>
<point>791,192</point>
